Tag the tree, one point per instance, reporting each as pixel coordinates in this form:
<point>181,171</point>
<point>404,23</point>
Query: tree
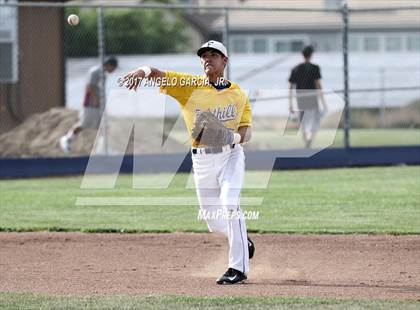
<point>127,31</point>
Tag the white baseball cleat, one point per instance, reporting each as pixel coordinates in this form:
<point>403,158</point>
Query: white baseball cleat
<point>65,144</point>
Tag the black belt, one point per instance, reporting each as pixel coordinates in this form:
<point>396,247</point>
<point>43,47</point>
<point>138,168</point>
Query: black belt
<point>211,150</point>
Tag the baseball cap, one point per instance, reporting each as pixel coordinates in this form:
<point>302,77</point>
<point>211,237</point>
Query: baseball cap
<point>213,45</point>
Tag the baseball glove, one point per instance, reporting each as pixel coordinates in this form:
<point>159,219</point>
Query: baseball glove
<point>209,131</point>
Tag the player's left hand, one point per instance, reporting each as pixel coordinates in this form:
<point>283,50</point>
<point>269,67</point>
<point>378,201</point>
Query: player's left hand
<point>209,131</point>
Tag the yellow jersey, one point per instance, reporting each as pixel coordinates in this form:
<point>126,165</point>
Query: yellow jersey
<point>194,94</point>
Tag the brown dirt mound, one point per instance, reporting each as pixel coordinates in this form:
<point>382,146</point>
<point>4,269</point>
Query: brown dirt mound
<point>38,136</point>
<point>350,266</point>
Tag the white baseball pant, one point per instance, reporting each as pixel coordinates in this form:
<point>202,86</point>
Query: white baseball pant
<point>219,180</point>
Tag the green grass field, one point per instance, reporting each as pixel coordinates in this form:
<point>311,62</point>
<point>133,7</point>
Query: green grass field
<point>270,138</point>
<point>358,138</point>
<point>368,200</point>
<point>30,301</point>
<point>358,200</point>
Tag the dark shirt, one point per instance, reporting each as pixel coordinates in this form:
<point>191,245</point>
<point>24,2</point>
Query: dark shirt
<point>303,76</point>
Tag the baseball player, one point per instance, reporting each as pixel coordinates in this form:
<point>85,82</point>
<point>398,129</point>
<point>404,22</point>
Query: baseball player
<point>218,170</point>
<point>306,77</point>
<point>92,107</point>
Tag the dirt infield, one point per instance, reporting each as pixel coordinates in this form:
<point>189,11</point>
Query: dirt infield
<point>349,266</point>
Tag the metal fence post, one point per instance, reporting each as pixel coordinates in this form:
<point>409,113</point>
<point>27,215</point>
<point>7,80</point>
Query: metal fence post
<point>382,98</point>
<point>346,121</point>
<point>226,38</point>
<point>101,53</point>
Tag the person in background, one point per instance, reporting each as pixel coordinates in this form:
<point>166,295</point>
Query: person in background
<point>93,108</point>
<point>306,79</point>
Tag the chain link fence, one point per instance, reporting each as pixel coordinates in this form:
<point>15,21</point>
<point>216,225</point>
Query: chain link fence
<point>368,57</point>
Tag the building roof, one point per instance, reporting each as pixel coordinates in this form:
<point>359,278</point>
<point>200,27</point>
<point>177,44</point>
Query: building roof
<point>287,20</point>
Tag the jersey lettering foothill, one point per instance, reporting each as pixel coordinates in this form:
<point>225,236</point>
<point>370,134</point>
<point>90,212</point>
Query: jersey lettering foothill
<point>229,105</point>
<point>303,76</point>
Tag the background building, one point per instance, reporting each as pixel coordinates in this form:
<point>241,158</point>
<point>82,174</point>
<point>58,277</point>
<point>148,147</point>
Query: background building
<point>278,32</point>
<point>31,62</point>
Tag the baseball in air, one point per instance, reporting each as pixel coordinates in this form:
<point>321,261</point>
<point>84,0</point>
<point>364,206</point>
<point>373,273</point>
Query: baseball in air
<point>73,19</point>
